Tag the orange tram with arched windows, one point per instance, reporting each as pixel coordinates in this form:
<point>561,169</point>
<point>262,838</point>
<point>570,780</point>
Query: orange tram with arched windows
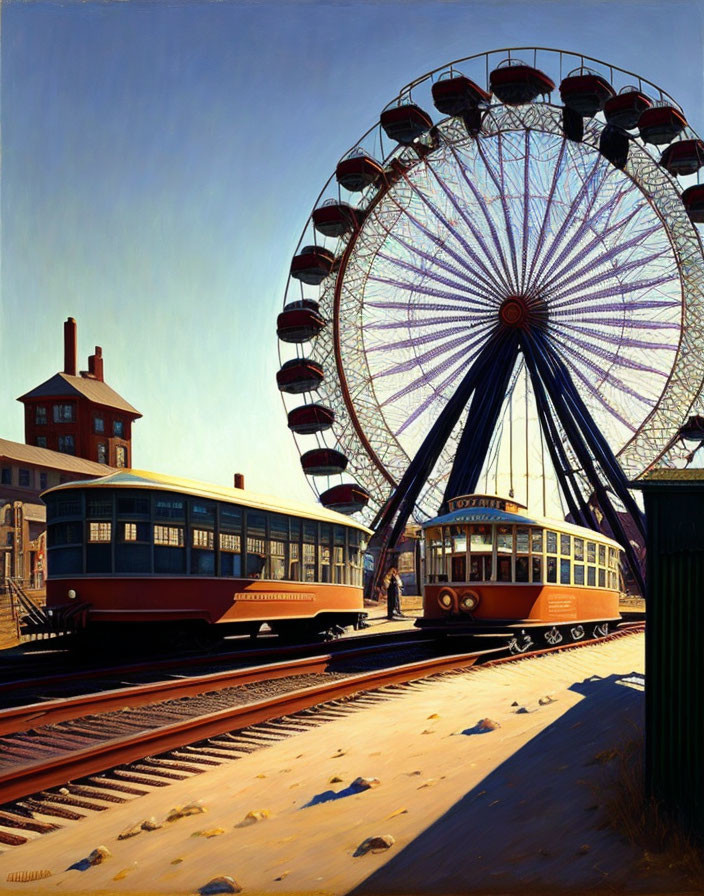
<point>142,551</point>
<point>491,568</point>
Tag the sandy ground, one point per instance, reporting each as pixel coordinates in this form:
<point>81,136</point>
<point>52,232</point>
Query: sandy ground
<point>512,809</point>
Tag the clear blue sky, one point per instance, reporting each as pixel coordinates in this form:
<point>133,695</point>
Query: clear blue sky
<point>160,159</point>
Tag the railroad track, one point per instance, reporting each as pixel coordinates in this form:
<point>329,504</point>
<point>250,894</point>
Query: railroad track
<point>175,730</point>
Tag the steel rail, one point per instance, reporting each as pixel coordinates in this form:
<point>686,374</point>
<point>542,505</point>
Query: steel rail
<point>28,778</point>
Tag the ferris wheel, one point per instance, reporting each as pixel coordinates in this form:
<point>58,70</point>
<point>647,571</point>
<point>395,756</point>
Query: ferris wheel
<point>516,250</point>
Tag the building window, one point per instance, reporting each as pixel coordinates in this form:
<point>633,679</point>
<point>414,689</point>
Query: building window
<point>169,535</point>
<point>120,456</point>
<point>24,478</point>
<point>6,475</point>
<point>66,445</point>
<point>43,481</point>
<point>99,531</point>
<point>102,453</point>
<point>64,413</point>
<point>98,424</point>
<point>41,441</point>
<point>40,414</point>
<point>118,428</point>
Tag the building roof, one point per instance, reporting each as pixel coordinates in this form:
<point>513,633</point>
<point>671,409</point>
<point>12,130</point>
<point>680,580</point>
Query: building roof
<point>54,460</point>
<point>63,384</point>
<point>670,474</point>
<point>133,479</point>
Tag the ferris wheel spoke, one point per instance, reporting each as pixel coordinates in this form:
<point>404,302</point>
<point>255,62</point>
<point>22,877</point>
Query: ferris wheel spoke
<point>498,180</point>
<point>430,400</point>
<point>621,289</point>
<point>608,255</point>
<point>488,291</point>
<point>621,340</point>
<point>412,341</point>
<point>542,234</point>
<point>605,375</point>
<point>526,209</point>
<point>412,322</point>
<point>600,399</point>
<point>438,278</point>
<point>616,358</point>
<point>595,178</point>
<point>422,358</point>
<point>500,276</point>
<point>643,305</point>
<point>424,291</point>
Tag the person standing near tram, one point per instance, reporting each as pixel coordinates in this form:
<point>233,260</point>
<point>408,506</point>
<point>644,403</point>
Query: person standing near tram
<point>394,587</point>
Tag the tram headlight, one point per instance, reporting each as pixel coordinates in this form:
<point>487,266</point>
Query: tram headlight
<point>469,601</point>
<point>446,599</point>
<point>72,594</point>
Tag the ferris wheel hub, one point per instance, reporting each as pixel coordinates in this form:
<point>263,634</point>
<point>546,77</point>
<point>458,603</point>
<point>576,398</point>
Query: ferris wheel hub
<point>522,313</point>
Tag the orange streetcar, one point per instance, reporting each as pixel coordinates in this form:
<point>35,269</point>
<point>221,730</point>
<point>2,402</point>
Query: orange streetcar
<point>490,567</point>
<point>142,550</point>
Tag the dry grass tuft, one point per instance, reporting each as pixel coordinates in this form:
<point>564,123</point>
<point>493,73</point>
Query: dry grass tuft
<point>665,846</point>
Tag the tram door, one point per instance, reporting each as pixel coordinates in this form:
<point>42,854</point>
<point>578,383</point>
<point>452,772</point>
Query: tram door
<point>459,569</point>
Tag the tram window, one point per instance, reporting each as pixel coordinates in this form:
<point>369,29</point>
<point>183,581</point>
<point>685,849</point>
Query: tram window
<point>504,542</point>
<point>168,535</point>
<point>309,562</point>
<point>64,533</point>
<point>99,558</point>
<point>536,541</point>
<point>591,552</point>
<point>99,531</point>
<point>133,531</point>
<point>324,563</point>
<point>230,543</point>
<point>602,578</point>
<point>294,563</point>
<point>230,564</point>
<point>521,569</point>
<point>480,538</point>
<point>591,575</point>
<point>277,559</point>
<point>551,542</point>
<point>170,560</point>
<point>613,558</point>
<point>521,540</point>
<point>202,538</point>
<point>459,569</point>
<point>310,531</point>
<point>256,556</point>
<point>325,533</point>
<point>503,569</point>
<point>202,562</point>
<point>459,544</point>
<point>63,561</point>
<point>339,535</point>
<point>295,527</point>
<point>168,508</point>
<point>579,574</point>
<point>565,545</point>
<point>133,557</point>
<point>231,518</point>
<point>612,580</point>
<point>278,527</point>
<point>564,571</point>
<point>602,555</point>
<point>537,564</point>
<point>339,567</point>
<point>202,512</point>
<point>579,549</point>
<point>132,505</point>
<point>99,507</point>
<point>551,569</point>
<point>256,524</point>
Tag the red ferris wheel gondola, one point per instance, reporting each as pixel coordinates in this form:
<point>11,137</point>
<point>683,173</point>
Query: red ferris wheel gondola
<point>585,91</point>
<point>684,157</point>
<point>624,109</point>
<point>661,124</point>
<point>335,218</point>
<point>693,199</point>
<point>299,321</point>
<point>312,265</point>
<point>515,83</point>
<point>299,375</point>
<point>346,498</point>
<point>310,418</point>
<point>456,94</point>
<point>405,123</point>
<point>323,462</point>
<point>358,171</point>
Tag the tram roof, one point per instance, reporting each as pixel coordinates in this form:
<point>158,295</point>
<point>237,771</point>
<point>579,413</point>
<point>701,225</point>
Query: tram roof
<point>142,479</point>
<point>494,515</point>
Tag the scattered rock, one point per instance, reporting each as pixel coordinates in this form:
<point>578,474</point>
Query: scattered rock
<point>336,779</point>
<point>434,716</point>
<point>375,844</point>
<point>99,855</point>
<point>431,782</point>
<point>397,812</point>
<point>487,725</point>
<point>339,753</point>
<point>121,875</point>
<point>411,774</point>
<point>521,710</point>
<point>544,701</point>
<point>253,817</point>
<point>282,875</point>
<point>183,811</point>
<point>261,776</point>
<point>176,861</point>
<point>211,832</point>
<point>583,849</point>
<point>515,703</point>
<point>361,784</point>
<point>427,731</point>
<point>220,885</point>
<point>151,824</point>
<point>131,831</point>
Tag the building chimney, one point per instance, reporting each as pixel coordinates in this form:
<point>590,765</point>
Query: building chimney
<point>70,346</point>
<point>95,364</point>
<point>239,480</point>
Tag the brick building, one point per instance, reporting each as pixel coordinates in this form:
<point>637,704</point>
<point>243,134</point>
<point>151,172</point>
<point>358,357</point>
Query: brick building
<point>76,427</point>
<point>80,414</point>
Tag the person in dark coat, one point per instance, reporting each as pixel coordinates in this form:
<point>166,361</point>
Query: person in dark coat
<point>393,595</point>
